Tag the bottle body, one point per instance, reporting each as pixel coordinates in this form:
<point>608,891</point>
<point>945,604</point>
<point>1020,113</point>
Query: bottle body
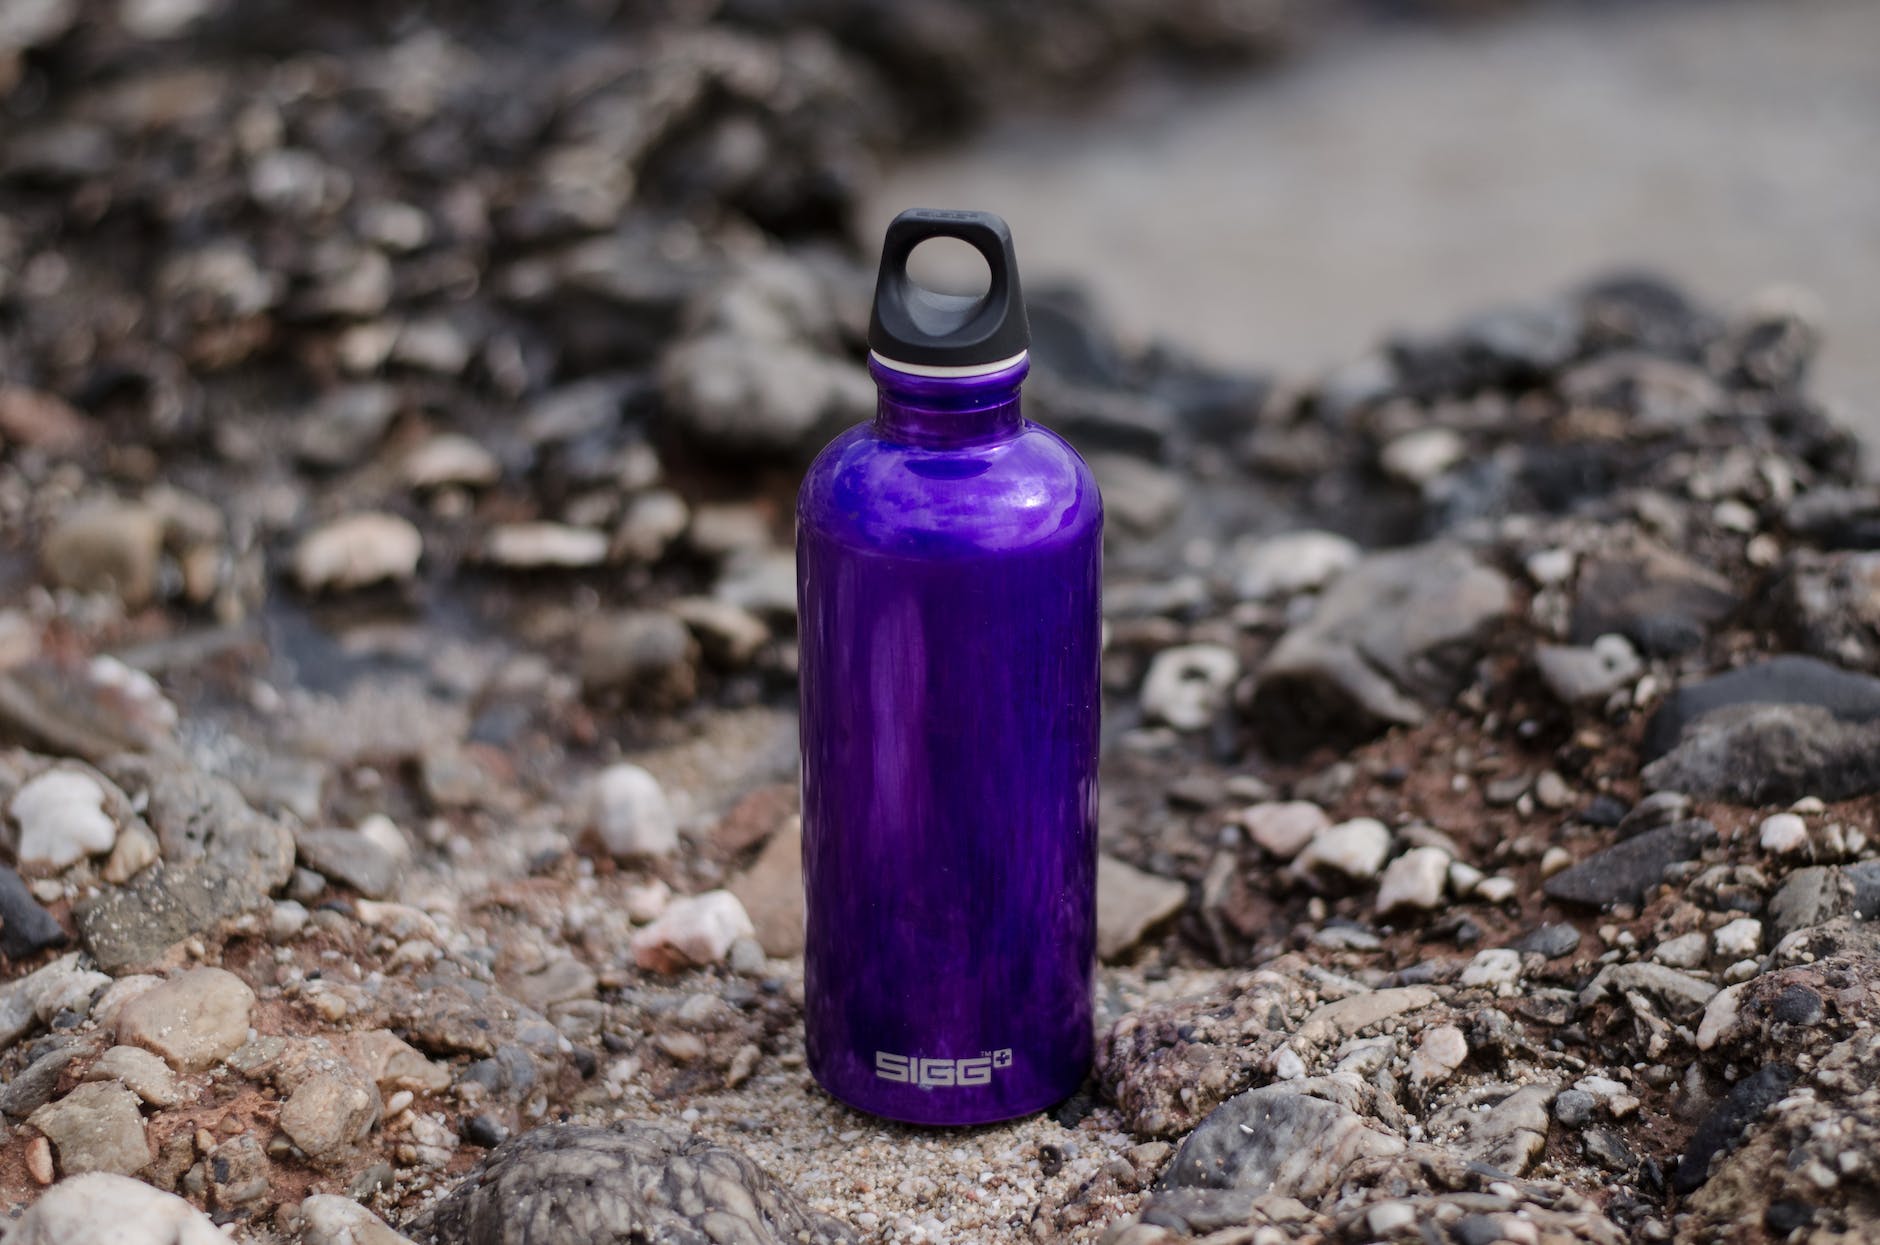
<point>949,563</point>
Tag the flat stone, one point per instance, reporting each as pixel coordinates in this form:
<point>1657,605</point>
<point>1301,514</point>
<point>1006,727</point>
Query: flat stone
<point>96,1128</point>
<point>1277,1140</point>
<point>1722,1130</point>
<point>1809,897</point>
<point>141,1072</point>
<point>365,862</point>
<point>356,552</point>
<point>537,546</point>
<point>106,1209</point>
<point>1343,1018</point>
<point>1629,870</point>
<point>1680,994</point>
<point>451,459</point>
<point>1284,828</point>
<point>1392,637</point>
<point>1828,604</point>
<point>771,891</point>
<point>1498,968</point>
<point>1550,941</point>
<point>1130,903</point>
<point>1787,679</point>
<point>192,1021</point>
<point>566,1183</point>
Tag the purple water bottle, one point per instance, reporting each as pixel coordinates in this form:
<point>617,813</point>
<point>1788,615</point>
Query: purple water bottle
<point>948,576</point>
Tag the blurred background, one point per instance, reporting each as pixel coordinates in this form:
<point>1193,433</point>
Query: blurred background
<point>1407,173</point>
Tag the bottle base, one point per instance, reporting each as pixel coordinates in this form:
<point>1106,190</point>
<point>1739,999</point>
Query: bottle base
<point>950,1115</point>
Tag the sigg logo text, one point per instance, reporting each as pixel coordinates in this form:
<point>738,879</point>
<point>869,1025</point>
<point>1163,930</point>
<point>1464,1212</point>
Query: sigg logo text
<point>931,1073</point>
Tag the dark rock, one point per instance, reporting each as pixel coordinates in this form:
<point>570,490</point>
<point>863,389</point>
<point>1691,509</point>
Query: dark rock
<point>1836,517</point>
<point>485,1130</point>
<point>1797,1005</point>
<point>565,1183</point>
<point>1661,808</point>
<point>1552,940</point>
<point>1573,1107</point>
<point>1393,637</point>
<point>1198,1212</point>
<point>1723,1127</point>
<point>1475,1230</point>
<point>1784,1217</point>
<point>1606,1148</point>
<point>1663,603</point>
<point>1772,754</point>
<point>1603,810</point>
<point>1628,871</point>
<point>1782,680</point>
<point>25,927</point>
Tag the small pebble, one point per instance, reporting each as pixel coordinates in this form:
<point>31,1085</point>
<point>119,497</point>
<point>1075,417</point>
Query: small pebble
<point>1355,848</point>
<point>1783,834</point>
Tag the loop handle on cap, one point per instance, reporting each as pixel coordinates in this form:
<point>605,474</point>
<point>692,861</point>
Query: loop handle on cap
<point>913,324</point>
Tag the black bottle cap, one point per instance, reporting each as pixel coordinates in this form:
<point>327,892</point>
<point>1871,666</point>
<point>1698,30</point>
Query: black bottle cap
<point>913,324</point>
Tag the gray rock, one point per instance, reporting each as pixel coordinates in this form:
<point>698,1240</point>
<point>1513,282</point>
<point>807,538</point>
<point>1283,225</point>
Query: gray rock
<point>648,652</point>
<point>1278,1140</point>
<point>1771,754</point>
<point>730,636</point>
<point>1550,941</point>
<point>1783,680</point>
<point>1627,871</point>
<point>564,1183</point>
<point>1137,494</point>
<point>1574,1107</point>
<point>1130,903</point>
<point>1392,637</point>
<point>330,1112</point>
<point>362,861</point>
<point>139,1071</point>
<point>1665,604</point>
<point>220,857</point>
<point>1681,995</point>
<point>1579,676</point>
<point>96,1128</point>
<point>35,1085</point>
<point>745,395</point>
<point>25,926</point>
<point>1809,897</point>
<point>1511,1134</point>
<point>345,424</point>
<point>192,1021</point>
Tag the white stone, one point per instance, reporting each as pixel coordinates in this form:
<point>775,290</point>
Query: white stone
<point>530,545</point>
<point>1284,827</point>
<point>1287,1065</point>
<point>104,1209</point>
<point>1419,457</point>
<point>1387,1217</point>
<point>1497,889</point>
<point>1414,880</point>
<point>62,819</point>
<point>1722,1016</point>
<point>1441,1049</point>
<point>328,1219</point>
<point>450,458</point>
<point>1739,939</point>
<point>1548,567</point>
<point>358,550</point>
<point>695,930</point>
<point>1188,685</point>
<point>1498,968</point>
<point>1355,848</point>
<point>1291,563</point>
<point>645,902</point>
<point>1464,877</point>
<point>1684,951</point>
<point>1783,833</point>
<point>628,809</point>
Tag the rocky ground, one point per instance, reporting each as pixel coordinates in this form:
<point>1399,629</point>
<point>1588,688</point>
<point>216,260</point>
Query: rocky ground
<point>398,431</point>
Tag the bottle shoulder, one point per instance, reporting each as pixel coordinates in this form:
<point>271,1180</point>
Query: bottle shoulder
<point>1027,490</point>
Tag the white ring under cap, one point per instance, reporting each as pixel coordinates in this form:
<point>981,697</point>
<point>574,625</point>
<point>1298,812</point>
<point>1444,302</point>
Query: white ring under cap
<point>968,369</point>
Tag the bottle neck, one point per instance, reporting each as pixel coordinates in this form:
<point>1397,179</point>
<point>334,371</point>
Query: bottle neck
<point>945,412</point>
